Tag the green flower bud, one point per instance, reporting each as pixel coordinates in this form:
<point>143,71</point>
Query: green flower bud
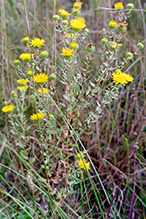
<point>4,103</point>
<point>13,94</point>
<point>129,55</point>
<point>56,17</point>
<point>16,62</point>
<point>90,47</point>
<point>44,54</point>
<point>130,6</point>
<point>25,40</point>
<point>86,30</point>
<point>64,22</point>
<point>30,73</point>
<point>104,30</point>
<point>32,97</point>
<point>53,77</point>
<point>140,45</point>
<point>104,41</point>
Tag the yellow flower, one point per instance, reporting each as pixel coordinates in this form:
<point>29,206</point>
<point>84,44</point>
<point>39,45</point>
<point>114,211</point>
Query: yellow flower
<point>81,19</point>
<point>75,11</point>
<point>78,4</point>
<point>25,40</point>
<point>80,155</point>
<point>43,91</point>
<point>64,15</point>
<point>37,116</point>
<point>67,53</point>
<point>112,24</point>
<point>60,11</point>
<point>118,6</point>
<point>8,109</point>
<point>83,165</point>
<point>22,81</point>
<point>17,62</point>
<point>25,57</point>
<point>104,41</point>
<point>30,73</point>
<point>40,78</point>
<point>37,43</point>
<point>73,45</point>
<point>77,24</point>
<point>114,45</point>
<point>121,78</point>
<point>22,87</point>
<point>68,35</point>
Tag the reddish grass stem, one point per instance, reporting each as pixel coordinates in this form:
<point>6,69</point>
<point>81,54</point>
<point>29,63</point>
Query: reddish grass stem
<point>115,195</point>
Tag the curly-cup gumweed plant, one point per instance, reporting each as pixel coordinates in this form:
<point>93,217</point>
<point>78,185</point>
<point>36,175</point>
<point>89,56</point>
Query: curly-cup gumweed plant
<point>54,106</point>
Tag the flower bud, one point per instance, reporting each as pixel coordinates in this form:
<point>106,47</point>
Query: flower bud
<point>140,45</point>
<point>129,55</point>
<point>25,40</point>
<point>44,54</point>
<point>122,27</point>
<point>104,30</point>
<point>30,73</point>
<point>86,30</point>
<point>130,6</point>
<point>32,97</point>
<point>56,17</point>
<point>73,45</point>
<point>13,94</point>
<point>4,103</point>
<point>53,77</point>
<point>112,24</point>
<point>104,41</point>
<point>75,12</point>
<point>64,22</point>
<point>16,62</point>
<point>90,47</point>
<point>118,6</point>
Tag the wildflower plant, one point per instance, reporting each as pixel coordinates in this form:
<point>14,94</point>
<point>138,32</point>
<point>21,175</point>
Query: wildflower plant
<point>50,123</point>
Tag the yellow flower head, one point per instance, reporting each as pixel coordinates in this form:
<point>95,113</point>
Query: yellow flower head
<point>40,78</point>
<point>112,24</point>
<point>25,57</point>
<point>17,62</point>
<point>121,78</point>
<point>22,81</point>
<point>37,116</point>
<point>75,11</point>
<point>67,53</point>
<point>22,87</point>
<point>64,15</point>
<point>30,73</point>
<point>37,43</point>
<point>114,45</point>
<point>43,91</point>
<point>73,45</point>
<point>77,24</point>
<point>78,4</point>
<point>81,19</point>
<point>68,35</point>
<point>83,165</point>
<point>60,11</point>
<point>26,40</point>
<point>80,155</point>
<point>118,6</point>
<point>8,109</point>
